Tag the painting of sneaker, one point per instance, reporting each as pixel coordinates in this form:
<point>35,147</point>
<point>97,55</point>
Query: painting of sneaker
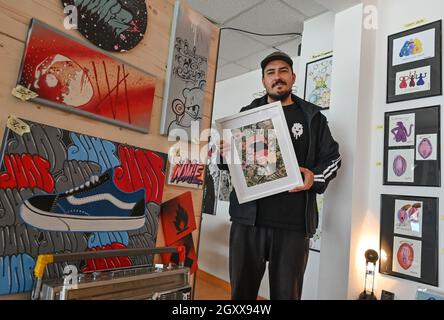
<point>97,205</point>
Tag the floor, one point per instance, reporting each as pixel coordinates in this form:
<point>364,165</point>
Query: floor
<point>208,287</point>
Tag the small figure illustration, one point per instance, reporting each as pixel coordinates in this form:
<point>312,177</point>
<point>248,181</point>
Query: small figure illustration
<point>403,83</point>
<point>420,79</point>
<point>400,132</point>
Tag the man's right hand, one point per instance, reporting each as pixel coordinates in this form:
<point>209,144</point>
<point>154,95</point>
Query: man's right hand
<point>224,148</point>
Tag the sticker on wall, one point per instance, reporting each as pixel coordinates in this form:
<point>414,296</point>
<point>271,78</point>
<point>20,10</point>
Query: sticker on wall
<point>413,80</point>
<point>114,25</point>
<point>187,71</point>
<point>73,77</point>
<point>62,191</point>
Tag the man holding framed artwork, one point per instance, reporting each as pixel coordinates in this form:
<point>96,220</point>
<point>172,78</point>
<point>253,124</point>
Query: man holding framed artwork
<point>277,228</point>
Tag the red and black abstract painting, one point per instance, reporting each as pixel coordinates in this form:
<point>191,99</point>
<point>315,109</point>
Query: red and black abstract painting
<point>69,75</point>
<point>112,25</point>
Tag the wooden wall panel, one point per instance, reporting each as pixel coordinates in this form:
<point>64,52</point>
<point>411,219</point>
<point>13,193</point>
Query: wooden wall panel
<point>150,55</point>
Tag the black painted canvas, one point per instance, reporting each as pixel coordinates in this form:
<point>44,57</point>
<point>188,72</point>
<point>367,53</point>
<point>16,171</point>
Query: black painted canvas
<point>112,25</point>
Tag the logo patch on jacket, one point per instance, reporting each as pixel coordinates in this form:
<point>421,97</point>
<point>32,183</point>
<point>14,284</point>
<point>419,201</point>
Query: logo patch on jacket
<point>297,130</point>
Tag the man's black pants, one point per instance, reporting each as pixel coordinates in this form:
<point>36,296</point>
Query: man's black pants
<point>286,252</point>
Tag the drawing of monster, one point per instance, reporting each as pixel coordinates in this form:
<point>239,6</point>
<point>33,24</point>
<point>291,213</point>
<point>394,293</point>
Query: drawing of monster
<point>188,109</point>
<point>400,132</point>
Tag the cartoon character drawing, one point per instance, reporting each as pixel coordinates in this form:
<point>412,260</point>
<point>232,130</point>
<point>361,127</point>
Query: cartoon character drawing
<point>400,132</point>
<point>188,109</point>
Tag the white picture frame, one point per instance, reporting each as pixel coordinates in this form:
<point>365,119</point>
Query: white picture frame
<point>253,180</point>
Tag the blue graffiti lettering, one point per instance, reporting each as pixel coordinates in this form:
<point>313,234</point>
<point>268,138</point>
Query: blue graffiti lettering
<point>100,239</point>
<point>16,274</point>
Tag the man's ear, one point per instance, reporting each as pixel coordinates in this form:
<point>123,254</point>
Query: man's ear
<point>263,82</point>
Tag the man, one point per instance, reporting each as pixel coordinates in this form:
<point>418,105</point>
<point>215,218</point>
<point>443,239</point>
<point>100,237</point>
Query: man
<point>277,228</point>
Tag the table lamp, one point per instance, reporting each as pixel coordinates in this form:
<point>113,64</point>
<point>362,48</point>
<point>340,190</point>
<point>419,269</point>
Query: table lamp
<point>371,256</point>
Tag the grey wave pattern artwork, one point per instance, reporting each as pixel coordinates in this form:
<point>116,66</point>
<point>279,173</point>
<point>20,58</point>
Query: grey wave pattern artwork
<point>45,168</point>
<point>187,70</point>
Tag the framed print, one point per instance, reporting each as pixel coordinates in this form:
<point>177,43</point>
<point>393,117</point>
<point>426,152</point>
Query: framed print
<point>187,70</point>
<point>318,82</point>
<point>263,158</point>
<point>412,153</point>
<point>76,77</point>
<point>409,238</point>
<point>414,63</point>
<point>116,26</point>
<point>63,191</point>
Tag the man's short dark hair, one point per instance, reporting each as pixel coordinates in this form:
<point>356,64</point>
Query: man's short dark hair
<point>277,55</point>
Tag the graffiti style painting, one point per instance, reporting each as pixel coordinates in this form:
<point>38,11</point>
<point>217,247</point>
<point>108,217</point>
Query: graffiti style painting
<point>74,77</point>
<point>184,172</point>
<point>187,70</point>
<point>414,63</point>
<point>63,192</point>
<point>411,147</point>
<point>178,218</point>
<point>260,154</point>
<point>190,254</point>
<point>318,82</point>
<point>409,238</point>
<point>114,25</point>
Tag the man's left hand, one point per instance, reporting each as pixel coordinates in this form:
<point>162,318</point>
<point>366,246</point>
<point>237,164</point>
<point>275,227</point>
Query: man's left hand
<point>308,180</point>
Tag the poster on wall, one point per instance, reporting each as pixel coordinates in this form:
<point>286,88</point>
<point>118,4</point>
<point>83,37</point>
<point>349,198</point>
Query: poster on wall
<point>183,171</point>
<point>75,77</point>
<point>318,82</point>
<point>412,153</point>
<point>414,63</point>
<point>409,238</point>
<point>187,71</point>
<point>62,191</point>
<point>117,25</point>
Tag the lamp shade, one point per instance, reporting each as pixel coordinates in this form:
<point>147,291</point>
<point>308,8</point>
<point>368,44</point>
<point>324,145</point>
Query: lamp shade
<point>371,256</point>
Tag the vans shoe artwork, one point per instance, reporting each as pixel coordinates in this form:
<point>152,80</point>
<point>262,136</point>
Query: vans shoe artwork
<point>97,205</point>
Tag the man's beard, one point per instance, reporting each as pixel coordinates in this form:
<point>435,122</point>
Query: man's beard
<point>280,96</point>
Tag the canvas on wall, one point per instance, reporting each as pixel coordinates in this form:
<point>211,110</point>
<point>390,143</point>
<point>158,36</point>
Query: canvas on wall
<point>178,218</point>
<point>412,153</point>
<point>62,191</point>
<point>183,171</point>
<point>414,63</point>
<point>318,82</point>
<point>114,25</point>
<point>187,70</point>
<point>409,238</point>
<point>72,76</point>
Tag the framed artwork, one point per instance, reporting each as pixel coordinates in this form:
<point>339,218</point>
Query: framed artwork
<point>79,78</point>
<point>318,82</point>
<point>62,191</point>
<point>412,154</point>
<point>409,238</point>
<point>263,158</point>
<point>178,218</point>
<point>187,71</point>
<point>184,172</point>
<point>414,63</point>
<point>117,25</point>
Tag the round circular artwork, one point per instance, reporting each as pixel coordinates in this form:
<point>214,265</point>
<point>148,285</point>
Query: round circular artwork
<point>112,25</point>
<point>405,255</point>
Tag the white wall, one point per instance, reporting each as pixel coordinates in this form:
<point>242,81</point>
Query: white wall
<point>390,22</point>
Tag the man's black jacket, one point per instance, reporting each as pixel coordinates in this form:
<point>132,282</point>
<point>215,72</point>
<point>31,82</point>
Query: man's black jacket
<point>323,160</point>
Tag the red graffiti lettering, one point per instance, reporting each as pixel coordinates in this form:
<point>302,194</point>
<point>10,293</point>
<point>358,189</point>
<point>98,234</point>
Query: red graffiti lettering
<point>26,171</point>
<point>141,169</point>
<point>191,173</point>
<point>107,263</point>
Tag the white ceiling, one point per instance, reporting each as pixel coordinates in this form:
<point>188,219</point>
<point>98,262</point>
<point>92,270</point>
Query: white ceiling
<point>241,52</point>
